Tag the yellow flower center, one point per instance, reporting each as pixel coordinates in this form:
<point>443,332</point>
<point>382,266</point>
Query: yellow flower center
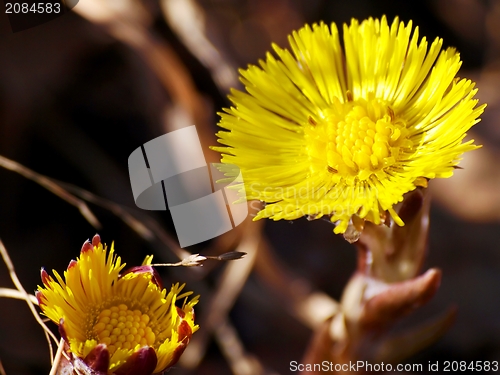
<point>357,138</point>
<point>121,328</point>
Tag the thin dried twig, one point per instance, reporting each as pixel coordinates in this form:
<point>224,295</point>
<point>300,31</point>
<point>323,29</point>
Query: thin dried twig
<point>14,293</point>
<point>58,357</point>
<point>51,349</point>
<point>117,209</point>
<point>53,187</point>
<point>19,286</point>
<point>70,194</point>
<point>146,227</point>
<point>147,230</point>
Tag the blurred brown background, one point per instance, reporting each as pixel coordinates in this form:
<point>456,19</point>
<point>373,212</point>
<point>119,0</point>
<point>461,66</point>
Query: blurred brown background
<point>78,94</point>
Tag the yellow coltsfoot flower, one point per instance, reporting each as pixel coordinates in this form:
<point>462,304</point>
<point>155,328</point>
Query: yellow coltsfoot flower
<point>346,132</point>
<point>117,323</point>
